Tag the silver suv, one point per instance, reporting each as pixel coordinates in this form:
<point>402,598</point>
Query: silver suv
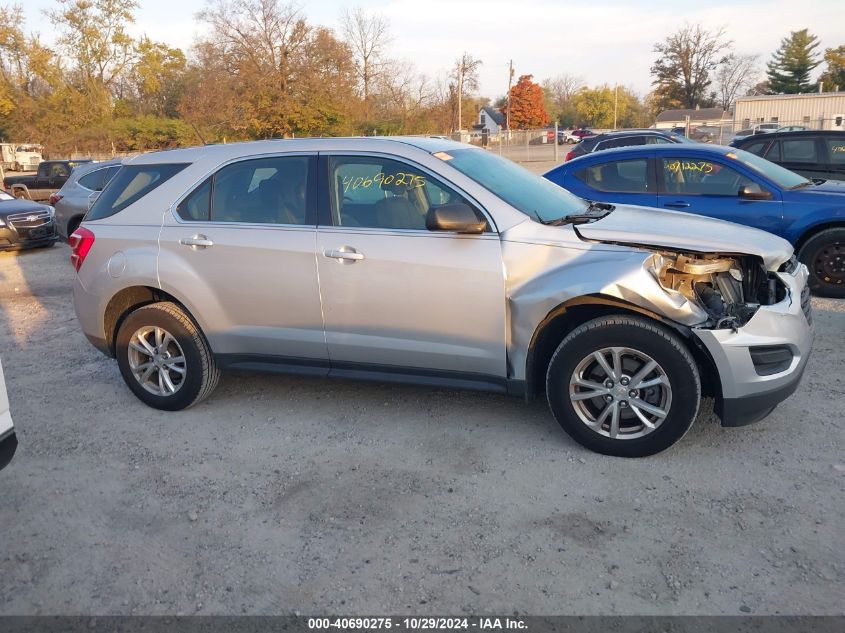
<point>431,262</point>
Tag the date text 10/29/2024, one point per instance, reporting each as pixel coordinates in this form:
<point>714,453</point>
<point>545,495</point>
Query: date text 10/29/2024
<point>418,624</point>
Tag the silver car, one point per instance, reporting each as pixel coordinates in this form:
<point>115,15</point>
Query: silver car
<point>80,190</point>
<point>432,262</point>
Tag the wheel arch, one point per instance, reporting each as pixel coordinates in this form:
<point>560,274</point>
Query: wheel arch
<point>816,229</point>
<point>568,315</point>
<point>129,299</point>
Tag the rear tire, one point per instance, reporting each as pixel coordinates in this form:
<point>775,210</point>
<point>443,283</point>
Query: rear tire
<point>164,357</point>
<point>824,256</point>
<point>644,404</point>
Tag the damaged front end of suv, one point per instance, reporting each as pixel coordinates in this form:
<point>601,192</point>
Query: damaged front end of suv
<point>727,289</point>
<point>740,302</point>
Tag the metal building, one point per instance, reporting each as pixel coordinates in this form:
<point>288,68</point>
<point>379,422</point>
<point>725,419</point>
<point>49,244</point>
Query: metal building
<point>816,111</point>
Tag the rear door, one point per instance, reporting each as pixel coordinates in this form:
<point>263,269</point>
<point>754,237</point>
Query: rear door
<point>240,249</point>
<point>710,186</point>
<point>397,297</point>
<point>804,155</point>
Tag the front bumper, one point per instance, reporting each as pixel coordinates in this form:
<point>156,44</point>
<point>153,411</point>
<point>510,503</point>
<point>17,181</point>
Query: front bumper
<point>746,395</point>
<point>18,237</point>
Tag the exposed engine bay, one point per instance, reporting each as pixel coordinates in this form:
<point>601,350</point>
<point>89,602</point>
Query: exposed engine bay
<point>730,288</point>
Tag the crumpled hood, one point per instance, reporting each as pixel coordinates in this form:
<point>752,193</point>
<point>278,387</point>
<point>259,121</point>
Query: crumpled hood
<point>676,230</point>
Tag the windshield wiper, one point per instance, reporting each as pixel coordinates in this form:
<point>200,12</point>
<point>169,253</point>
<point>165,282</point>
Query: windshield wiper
<point>801,185</point>
<point>598,209</point>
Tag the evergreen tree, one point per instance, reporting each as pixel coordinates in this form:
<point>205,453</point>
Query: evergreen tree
<point>791,65</point>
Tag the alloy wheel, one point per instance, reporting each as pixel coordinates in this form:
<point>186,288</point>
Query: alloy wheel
<point>157,361</point>
<point>620,393</point>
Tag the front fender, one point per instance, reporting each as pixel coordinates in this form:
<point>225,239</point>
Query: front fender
<point>542,277</point>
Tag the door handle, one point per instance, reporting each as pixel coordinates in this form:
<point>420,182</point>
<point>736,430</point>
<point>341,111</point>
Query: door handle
<point>196,242</point>
<point>676,205</point>
<point>344,253</point>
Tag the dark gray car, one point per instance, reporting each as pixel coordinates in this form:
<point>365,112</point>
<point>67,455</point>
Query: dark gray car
<point>76,196</point>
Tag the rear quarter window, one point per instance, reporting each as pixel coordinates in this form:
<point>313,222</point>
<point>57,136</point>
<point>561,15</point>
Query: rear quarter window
<point>131,183</point>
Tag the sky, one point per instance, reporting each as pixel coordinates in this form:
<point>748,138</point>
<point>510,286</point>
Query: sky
<point>602,41</point>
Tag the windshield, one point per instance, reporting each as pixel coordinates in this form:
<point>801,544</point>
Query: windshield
<point>5,196</point>
<point>529,193</point>
<point>780,176</point>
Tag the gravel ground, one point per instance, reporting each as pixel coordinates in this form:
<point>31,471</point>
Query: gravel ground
<point>285,494</point>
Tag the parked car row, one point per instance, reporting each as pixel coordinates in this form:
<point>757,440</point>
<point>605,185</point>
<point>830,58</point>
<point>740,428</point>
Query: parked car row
<point>624,138</point>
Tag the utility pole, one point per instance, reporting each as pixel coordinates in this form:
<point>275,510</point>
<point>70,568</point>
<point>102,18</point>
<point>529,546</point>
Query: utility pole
<point>615,104</point>
<point>510,79</point>
<point>460,96</point>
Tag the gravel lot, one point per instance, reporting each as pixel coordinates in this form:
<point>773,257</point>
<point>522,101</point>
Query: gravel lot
<point>283,494</point>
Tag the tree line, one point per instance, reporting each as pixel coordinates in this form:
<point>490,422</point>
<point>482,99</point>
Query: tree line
<point>263,70</point>
<point>697,67</point>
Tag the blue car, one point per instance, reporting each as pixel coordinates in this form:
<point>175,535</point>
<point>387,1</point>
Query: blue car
<point>725,183</point>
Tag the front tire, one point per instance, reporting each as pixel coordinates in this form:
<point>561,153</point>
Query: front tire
<point>824,256</point>
<point>164,357</point>
<point>623,386</point>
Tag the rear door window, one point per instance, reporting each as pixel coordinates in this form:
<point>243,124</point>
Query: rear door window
<point>802,150</point>
<point>131,184</point>
<point>260,191</point>
<point>622,176</point>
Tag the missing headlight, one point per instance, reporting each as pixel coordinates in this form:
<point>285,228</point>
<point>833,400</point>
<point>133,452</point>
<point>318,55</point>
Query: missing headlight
<point>729,288</point>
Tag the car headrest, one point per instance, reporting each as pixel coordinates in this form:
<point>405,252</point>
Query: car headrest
<point>390,180</point>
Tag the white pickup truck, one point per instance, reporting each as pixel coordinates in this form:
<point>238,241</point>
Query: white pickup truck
<point>8,439</point>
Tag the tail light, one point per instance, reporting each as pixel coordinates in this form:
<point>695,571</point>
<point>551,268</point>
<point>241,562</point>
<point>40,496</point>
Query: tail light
<point>569,155</point>
<point>81,241</point>
<point>54,198</point>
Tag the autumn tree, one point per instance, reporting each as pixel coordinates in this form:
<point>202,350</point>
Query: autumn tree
<point>157,78</point>
<point>93,35</point>
<point>789,70</point>
<point>735,76</point>
<point>559,92</point>
<point>834,75</point>
<point>527,105</point>
<point>275,74</point>
<point>686,59</point>
<point>367,36</point>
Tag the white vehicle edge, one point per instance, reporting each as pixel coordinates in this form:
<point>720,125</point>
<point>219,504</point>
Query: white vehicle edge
<point>8,439</point>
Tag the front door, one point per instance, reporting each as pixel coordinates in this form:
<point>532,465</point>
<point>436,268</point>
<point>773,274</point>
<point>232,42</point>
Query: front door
<point>241,246</point>
<point>397,297</point>
<point>711,187</point>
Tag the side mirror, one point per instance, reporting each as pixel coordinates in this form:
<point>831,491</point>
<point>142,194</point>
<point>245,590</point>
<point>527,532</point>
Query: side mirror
<point>456,217</point>
<point>753,191</point>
